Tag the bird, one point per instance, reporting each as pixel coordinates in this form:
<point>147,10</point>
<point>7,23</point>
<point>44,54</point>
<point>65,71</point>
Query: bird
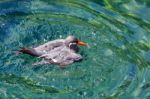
<point>60,51</point>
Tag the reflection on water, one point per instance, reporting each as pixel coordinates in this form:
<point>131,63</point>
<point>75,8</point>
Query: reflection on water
<point>115,66</point>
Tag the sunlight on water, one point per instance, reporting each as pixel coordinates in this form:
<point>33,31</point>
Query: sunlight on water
<point>116,65</point>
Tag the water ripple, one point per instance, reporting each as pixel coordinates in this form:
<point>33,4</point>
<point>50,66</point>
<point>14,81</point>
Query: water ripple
<point>115,66</point>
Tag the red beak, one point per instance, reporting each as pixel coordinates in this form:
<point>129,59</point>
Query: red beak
<point>81,43</point>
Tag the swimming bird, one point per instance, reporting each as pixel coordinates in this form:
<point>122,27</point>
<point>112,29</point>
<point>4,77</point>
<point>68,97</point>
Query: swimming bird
<point>61,51</point>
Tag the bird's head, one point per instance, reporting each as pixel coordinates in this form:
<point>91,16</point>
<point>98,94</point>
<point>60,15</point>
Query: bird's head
<point>72,42</point>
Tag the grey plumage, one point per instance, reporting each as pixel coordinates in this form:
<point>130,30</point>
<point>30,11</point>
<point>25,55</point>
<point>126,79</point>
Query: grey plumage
<point>61,52</point>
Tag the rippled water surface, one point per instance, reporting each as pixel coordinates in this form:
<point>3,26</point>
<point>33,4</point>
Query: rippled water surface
<point>117,64</point>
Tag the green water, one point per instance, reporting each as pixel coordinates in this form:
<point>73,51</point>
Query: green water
<point>117,64</point>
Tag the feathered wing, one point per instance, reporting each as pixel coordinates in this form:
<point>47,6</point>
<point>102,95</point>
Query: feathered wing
<point>71,58</point>
<point>50,45</point>
<point>61,56</point>
<point>42,49</point>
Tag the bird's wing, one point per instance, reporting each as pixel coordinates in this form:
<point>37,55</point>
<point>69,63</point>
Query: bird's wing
<point>70,58</point>
<point>49,45</point>
<point>52,54</point>
<point>62,56</point>
<point>67,57</point>
<point>74,56</point>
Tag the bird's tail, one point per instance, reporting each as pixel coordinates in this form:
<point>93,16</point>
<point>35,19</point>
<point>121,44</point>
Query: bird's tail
<point>27,51</point>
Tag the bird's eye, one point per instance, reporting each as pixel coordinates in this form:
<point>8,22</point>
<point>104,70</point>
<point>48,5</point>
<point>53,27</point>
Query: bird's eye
<point>76,41</point>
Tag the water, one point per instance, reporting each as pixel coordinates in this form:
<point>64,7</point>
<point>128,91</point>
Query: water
<point>117,64</point>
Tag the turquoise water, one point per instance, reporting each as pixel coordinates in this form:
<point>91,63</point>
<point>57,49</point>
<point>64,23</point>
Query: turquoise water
<point>117,64</point>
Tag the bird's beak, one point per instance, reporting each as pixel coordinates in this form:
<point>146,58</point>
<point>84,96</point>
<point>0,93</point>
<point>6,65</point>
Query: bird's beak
<point>81,43</point>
